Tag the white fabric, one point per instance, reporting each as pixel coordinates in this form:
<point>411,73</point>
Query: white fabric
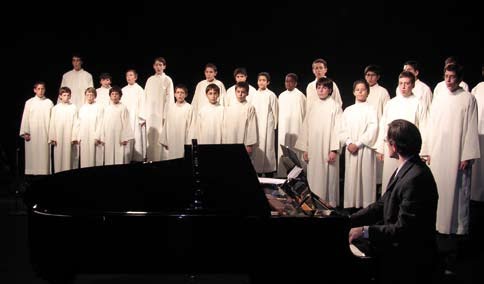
<point>133,96</point>
<point>102,96</point>
<point>240,124</point>
<point>230,96</point>
<point>116,129</point>
<point>200,96</point>
<point>63,129</point>
<point>422,91</point>
<point>78,82</point>
<point>292,110</point>
<point>35,122</point>
<point>319,136</point>
<point>359,125</point>
<point>159,92</point>
<point>452,138</point>
<point>477,192</point>
<point>399,107</point>
<point>90,126</point>
<point>441,87</point>
<point>312,95</point>
<point>208,125</point>
<point>266,109</point>
<point>178,130</point>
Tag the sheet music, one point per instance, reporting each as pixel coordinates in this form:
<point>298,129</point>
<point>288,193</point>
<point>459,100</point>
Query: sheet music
<point>294,173</point>
<point>276,181</point>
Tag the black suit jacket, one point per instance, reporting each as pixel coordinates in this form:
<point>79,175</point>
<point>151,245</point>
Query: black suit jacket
<point>402,222</point>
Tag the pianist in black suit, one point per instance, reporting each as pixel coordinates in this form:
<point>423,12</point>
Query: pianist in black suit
<point>400,227</point>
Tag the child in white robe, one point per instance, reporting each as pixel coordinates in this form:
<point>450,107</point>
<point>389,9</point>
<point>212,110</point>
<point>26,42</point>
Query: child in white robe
<point>178,128</point>
<point>63,134</point>
<point>240,124</point>
<point>116,131</point>
<point>34,129</point>
<point>199,97</point>
<point>240,75</point>
<point>90,125</point>
<point>208,129</point>
<point>319,140</point>
<point>359,129</point>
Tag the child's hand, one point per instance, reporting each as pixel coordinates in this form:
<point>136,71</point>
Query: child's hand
<point>53,142</point>
<point>26,137</point>
<point>306,157</point>
<point>124,143</point>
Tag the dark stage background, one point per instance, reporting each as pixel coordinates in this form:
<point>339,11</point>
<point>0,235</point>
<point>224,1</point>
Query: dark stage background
<point>278,38</point>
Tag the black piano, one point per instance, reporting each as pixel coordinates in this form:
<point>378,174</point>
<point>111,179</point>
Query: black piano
<point>205,213</point>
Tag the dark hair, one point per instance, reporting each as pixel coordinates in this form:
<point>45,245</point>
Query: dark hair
<point>326,82</point>
<point>265,74</point>
<point>240,70</point>
<point>405,136</point>
<point>457,68</point>
<point>415,65</point>
<point>408,74</point>
<point>293,76</point>
<point>183,87</point>
<point>243,85</point>
<point>214,87</point>
<point>361,81</point>
<point>373,68</point>
<point>105,76</point>
<point>116,89</point>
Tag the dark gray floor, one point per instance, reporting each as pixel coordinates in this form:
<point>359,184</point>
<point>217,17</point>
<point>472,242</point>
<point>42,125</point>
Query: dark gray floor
<point>15,267</point>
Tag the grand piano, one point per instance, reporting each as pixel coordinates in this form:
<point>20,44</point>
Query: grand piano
<point>205,213</point>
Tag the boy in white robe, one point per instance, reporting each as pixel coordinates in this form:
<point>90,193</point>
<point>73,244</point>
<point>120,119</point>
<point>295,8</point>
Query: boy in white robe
<point>320,68</point>
<point>116,131</point>
<point>63,134</point>
<point>240,124</point>
<point>421,90</point>
<point>102,97</point>
<point>240,75</point>
<point>292,110</point>
<point>267,112</point>
<point>405,106</point>
<point>477,192</point>
<point>319,140</point>
<point>34,129</point>
<point>452,146</point>
<point>78,80</point>
<point>133,95</point>
<point>90,125</point>
<point>359,129</point>
<point>199,96</point>
<point>178,128</point>
<point>208,125</point>
<point>158,93</point>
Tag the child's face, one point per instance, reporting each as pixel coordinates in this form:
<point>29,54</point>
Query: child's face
<point>240,78</point>
<point>65,97</point>
<point>361,92</point>
<point>405,86</point>
<point>323,91</point>
<point>90,97</point>
<point>262,82</point>
<point>319,70</point>
<point>115,97</point>
<point>106,83</point>
<point>210,74</point>
<point>39,90</point>
<point>180,95</point>
<point>241,94</point>
<point>290,83</point>
<point>372,78</point>
<point>212,96</point>
<point>159,67</point>
<point>131,77</point>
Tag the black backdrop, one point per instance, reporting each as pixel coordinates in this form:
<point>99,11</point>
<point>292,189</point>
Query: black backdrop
<point>277,38</point>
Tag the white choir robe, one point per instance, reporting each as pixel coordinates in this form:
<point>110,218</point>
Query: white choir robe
<point>442,88</point>
<point>35,122</point>
<point>102,96</point>
<point>452,137</point>
<point>90,126</point>
<point>231,98</point>
<point>399,107</point>
<point>477,192</point>
<point>208,125</point>
<point>178,130</point>
<point>240,124</point>
<point>200,95</point>
<point>116,129</point>
<point>378,97</point>
<point>422,91</point>
<point>132,98</point>
<point>159,94</point>
<point>267,112</point>
<point>78,82</point>
<point>63,129</point>
<point>292,110</point>
<point>312,95</point>
<point>359,125</point>
<point>319,136</point>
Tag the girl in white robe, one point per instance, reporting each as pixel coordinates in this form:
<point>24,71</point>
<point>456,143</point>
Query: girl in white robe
<point>359,129</point>
<point>34,129</point>
<point>116,132</point>
<point>90,125</point>
<point>267,112</point>
<point>178,128</point>
<point>319,140</point>
<point>63,128</point>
